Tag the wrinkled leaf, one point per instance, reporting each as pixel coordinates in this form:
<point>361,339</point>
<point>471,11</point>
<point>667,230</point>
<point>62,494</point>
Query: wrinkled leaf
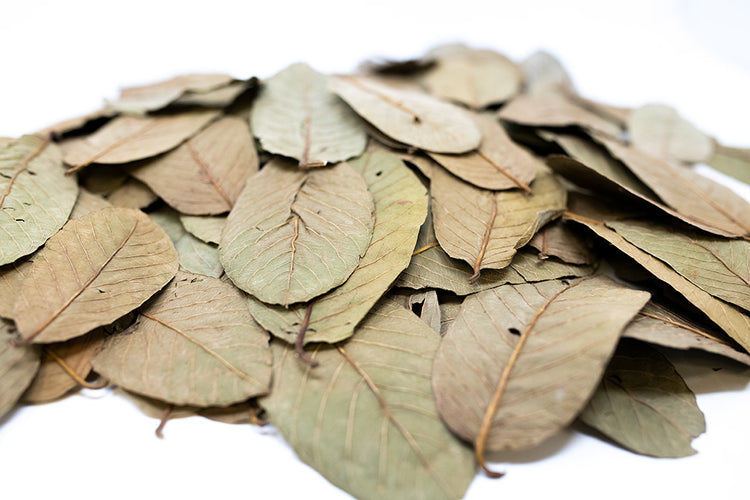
<point>727,317</point>
<point>158,95</point>
<point>498,163</point>
<point>195,344</point>
<point>96,269</point>
<point>295,234</point>
<point>296,115</point>
<point>374,385</point>
<point>400,209</point>
<point>207,173</point>
<point>717,265</point>
<point>660,131</point>
<point>643,404</point>
<point>18,365</point>
<point>658,325</point>
<point>484,228</point>
<point>476,78</point>
<point>130,138</point>
<point>35,195</point>
<point>411,117</point>
<point>519,362</point>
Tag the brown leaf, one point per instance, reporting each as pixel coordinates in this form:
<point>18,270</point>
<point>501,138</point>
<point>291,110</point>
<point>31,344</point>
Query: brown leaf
<point>130,138</point>
<point>476,78</point>
<point>196,344</point>
<point>158,95</point>
<point>498,163</point>
<point>18,365</point>
<point>484,228</point>
<point>206,174</point>
<point>96,269</point>
<point>519,362</point>
<point>408,116</point>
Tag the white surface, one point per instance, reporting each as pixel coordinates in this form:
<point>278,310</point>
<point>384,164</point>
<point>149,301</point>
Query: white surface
<point>61,59</point>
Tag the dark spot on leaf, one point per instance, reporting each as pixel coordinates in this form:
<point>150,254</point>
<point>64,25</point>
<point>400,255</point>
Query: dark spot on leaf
<point>26,204</point>
<point>379,173</point>
<point>31,172</point>
<point>5,176</point>
<point>514,331</point>
<point>20,220</point>
<point>100,290</point>
<point>615,378</point>
<point>565,282</point>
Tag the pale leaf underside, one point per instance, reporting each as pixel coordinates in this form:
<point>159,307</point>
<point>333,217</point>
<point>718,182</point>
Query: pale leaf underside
<point>295,234</point>
<point>296,115</point>
<point>365,416</point>
<point>400,209</point>
<point>95,270</point>
<point>195,344</point>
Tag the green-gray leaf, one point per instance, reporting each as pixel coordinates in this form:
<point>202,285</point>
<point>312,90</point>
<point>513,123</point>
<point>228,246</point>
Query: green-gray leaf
<point>643,404</point>
<point>18,365</point>
<point>196,344</point>
<point>294,234</point>
<point>365,416</point>
<point>400,208</point>
<point>296,115</point>
<point>35,195</point>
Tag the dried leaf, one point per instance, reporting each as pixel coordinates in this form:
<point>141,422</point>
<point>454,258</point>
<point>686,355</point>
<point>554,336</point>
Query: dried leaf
<point>484,228</point>
<point>660,131</point>
<point>217,98</point>
<point>552,109</point>
<point>196,344</point>
<point>130,138</point>
<point>158,95</point>
<point>207,173</point>
<point>96,269</point>
<point>408,116</point>
<point>499,163</point>
<point>686,191</point>
<point>643,404</point>
<point>205,228</point>
<point>734,162</point>
<point>35,196</point>
<point>557,239</point>
<point>719,266</point>
<point>400,209</point>
<point>658,325</point>
<point>476,78</point>
<point>198,257</point>
<point>727,317</point>
<point>519,362</point>
<point>18,365</point>
<point>296,115</point>
<point>132,194</point>
<point>431,267</point>
<point>543,73</point>
<point>376,384</point>
<point>52,381</point>
<point>295,234</point>
<point>11,279</point>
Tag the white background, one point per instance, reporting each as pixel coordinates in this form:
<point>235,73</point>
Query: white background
<point>62,58</point>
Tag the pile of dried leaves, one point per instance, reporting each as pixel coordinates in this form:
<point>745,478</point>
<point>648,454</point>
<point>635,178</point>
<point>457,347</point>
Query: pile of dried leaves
<point>402,269</point>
